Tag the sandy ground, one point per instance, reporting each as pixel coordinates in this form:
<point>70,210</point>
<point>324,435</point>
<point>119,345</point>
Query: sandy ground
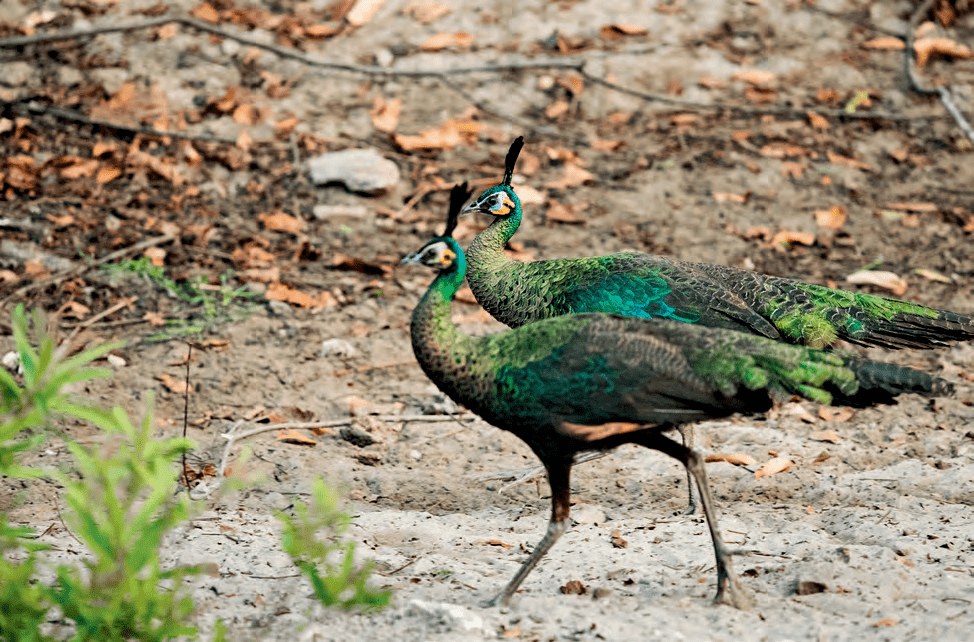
<point>870,534</point>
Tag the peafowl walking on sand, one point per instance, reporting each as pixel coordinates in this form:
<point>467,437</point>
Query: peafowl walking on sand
<point>594,381</point>
<point>642,285</point>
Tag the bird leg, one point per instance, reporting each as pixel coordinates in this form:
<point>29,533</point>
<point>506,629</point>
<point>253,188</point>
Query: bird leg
<point>728,591</point>
<point>558,479</point>
<point>686,432</point>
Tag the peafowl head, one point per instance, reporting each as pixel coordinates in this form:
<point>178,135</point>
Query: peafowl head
<point>440,253</point>
<point>501,200</point>
<point>443,252</point>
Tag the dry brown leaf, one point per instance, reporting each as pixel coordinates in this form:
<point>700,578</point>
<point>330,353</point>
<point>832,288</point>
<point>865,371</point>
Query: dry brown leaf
<point>754,76</point>
<point>246,115</point>
<point>108,174</point>
<point>890,43</point>
<point>785,237</point>
<point>928,47</point>
<point>712,82</point>
<point>572,176</point>
<point>385,115</point>
<point>607,145</point>
<point>75,310</point>
<point>100,149</point>
<point>61,221</point>
<point>175,385</point>
<point>283,128</point>
<point>933,275</point>
<point>81,168</point>
<point>832,218</point>
<point>156,256</point>
<point>825,435</point>
<point>426,11</point>
<point>773,467</point>
<point>817,121</point>
<point>495,542</point>
<point>291,436</point>
<point>683,121</point>
<point>321,30</point>
<point>154,319</point>
<point>616,31</point>
<point>792,169</point>
<point>915,207</point>
<point>281,222</point>
<point>363,11</point>
<point>446,136</point>
<point>443,40</point>
<point>557,109</point>
<point>615,537</point>
<point>879,278</point>
<point>573,587</point>
<point>559,213</point>
<point>761,95</point>
<point>832,414</point>
<point>887,622</point>
<point>281,292</point>
<point>8,276</point>
<point>574,84</point>
<point>835,159</point>
<point>738,459</point>
<point>780,150</point>
<point>727,197</point>
<point>244,141</point>
<point>205,12</point>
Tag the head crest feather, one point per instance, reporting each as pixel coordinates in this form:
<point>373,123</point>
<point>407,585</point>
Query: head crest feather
<point>511,159</point>
<point>458,196</point>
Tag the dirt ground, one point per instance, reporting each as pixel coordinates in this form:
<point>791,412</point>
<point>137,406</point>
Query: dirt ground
<point>869,535</point>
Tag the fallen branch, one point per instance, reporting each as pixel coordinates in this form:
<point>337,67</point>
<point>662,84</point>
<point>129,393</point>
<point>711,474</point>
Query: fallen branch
<point>101,315</point>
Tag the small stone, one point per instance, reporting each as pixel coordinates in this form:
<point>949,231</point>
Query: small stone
<point>327,212</point>
<point>17,73</point>
<point>360,170</point>
<point>356,436</point>
<point>11,361</point>
<point>116,361</point>
<point>384,58</point>
<point>588,514</point>
<point>337,348</point>
<point>443,618</point>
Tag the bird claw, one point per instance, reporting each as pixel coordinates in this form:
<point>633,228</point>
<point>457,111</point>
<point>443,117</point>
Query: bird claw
<point>731,594</point>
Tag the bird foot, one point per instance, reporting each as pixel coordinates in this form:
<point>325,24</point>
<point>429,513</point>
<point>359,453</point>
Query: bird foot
<point>691,507</point>
<point>731,594</point>
<point>499,599</point>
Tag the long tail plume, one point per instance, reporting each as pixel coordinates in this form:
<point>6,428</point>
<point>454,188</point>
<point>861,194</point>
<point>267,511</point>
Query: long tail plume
<point>458,196</point>
<point>511,159</point>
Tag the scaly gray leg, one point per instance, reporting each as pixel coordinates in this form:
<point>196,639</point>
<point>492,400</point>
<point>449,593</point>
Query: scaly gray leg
<point>558,479</point>
<point>686,431</point>
<point>728,592</point>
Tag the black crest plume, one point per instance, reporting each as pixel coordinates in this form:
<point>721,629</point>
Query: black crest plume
<point>512,154</point>
<point>458,196</point>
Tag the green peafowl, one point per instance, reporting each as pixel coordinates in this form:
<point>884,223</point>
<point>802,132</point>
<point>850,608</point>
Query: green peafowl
<point>641,285</point>
<point>594,381</point>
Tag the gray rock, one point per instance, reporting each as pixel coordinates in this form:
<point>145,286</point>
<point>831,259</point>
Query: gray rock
<point>360,170</point>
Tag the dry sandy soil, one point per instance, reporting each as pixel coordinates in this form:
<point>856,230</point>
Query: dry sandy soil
<point>869,535</point>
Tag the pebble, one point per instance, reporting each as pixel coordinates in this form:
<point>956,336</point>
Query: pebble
<point>337,348</point>
<point>360,170</point>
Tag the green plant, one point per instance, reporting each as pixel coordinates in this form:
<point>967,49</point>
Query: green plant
<point>121,503</point>
<point>314,538</point>
<point>204,305</point>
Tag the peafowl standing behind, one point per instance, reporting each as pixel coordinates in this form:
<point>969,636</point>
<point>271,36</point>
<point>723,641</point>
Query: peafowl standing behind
<point>717,296</point>
<point>594,381</point>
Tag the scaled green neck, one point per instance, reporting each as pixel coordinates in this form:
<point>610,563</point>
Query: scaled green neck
<point>486,251</point>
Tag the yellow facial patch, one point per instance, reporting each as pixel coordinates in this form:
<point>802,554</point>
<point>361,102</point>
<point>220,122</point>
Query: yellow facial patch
<point>503,205</point>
